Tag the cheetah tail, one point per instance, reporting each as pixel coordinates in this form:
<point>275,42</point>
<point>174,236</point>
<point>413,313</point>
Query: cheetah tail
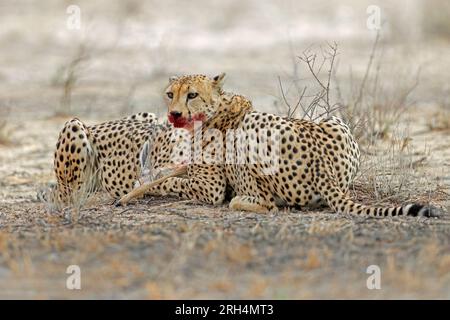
<point>341,203</point>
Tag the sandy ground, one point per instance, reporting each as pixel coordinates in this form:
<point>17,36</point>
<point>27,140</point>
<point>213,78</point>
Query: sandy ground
<point>167,248</point>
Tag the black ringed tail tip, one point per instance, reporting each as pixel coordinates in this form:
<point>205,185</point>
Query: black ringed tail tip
<point>417,210</point>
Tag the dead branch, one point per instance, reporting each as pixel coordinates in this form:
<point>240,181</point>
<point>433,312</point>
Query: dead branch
<point>319,100</point>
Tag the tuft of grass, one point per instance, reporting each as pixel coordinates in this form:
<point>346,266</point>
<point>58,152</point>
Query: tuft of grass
<point>390,174</point>
<point>374,106</point>
<point>77,199</point>
<point>371,107</point>
<point>68,77</point>
<point>440,120</point>
<point>6,129</point>
<point>5,133</point>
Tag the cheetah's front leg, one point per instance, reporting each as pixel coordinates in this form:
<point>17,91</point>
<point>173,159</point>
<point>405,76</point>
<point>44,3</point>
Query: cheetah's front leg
<point>258,197</point>
<point>204,183</point>
<point>249,203</point>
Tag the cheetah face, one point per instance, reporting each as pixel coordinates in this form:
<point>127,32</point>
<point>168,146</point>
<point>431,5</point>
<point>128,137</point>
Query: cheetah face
<point>192,98</point>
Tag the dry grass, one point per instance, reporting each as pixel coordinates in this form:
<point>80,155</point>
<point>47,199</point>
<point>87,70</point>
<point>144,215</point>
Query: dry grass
<point>68,76</point>
<point>440,119</point>
<point>5,132</point>
<point>78,198</point>
<point>6,128</point>
<point>373,107</point>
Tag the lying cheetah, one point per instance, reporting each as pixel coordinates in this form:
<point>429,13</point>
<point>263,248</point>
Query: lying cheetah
<point>314,162</point>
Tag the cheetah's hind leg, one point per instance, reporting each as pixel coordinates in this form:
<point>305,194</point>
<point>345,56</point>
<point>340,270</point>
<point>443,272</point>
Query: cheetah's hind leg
<point>74,164</point>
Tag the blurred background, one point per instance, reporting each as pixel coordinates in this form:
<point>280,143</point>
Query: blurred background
<point>119,59</point>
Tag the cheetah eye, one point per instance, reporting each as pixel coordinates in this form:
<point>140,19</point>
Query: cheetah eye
<point>192,95</point>
<point>170,95</point>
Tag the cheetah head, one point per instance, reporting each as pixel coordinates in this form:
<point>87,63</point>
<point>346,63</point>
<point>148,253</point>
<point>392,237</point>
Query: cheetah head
<point>192,98</point>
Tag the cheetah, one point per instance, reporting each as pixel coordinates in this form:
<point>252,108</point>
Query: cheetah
<point>111,154</point>
<point>314,162</point>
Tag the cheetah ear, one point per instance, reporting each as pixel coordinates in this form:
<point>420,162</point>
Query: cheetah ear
<point>172,79</point>
<point>218,80</point>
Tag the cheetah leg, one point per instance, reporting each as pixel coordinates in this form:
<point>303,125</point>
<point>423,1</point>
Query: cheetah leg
<point>260,198</point>
<point>74,161</point>
<point>317,202</point>
<point>248,203</point>
<point>204,183</point>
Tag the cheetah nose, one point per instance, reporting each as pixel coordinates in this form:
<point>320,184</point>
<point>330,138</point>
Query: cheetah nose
<point>175,114</point>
